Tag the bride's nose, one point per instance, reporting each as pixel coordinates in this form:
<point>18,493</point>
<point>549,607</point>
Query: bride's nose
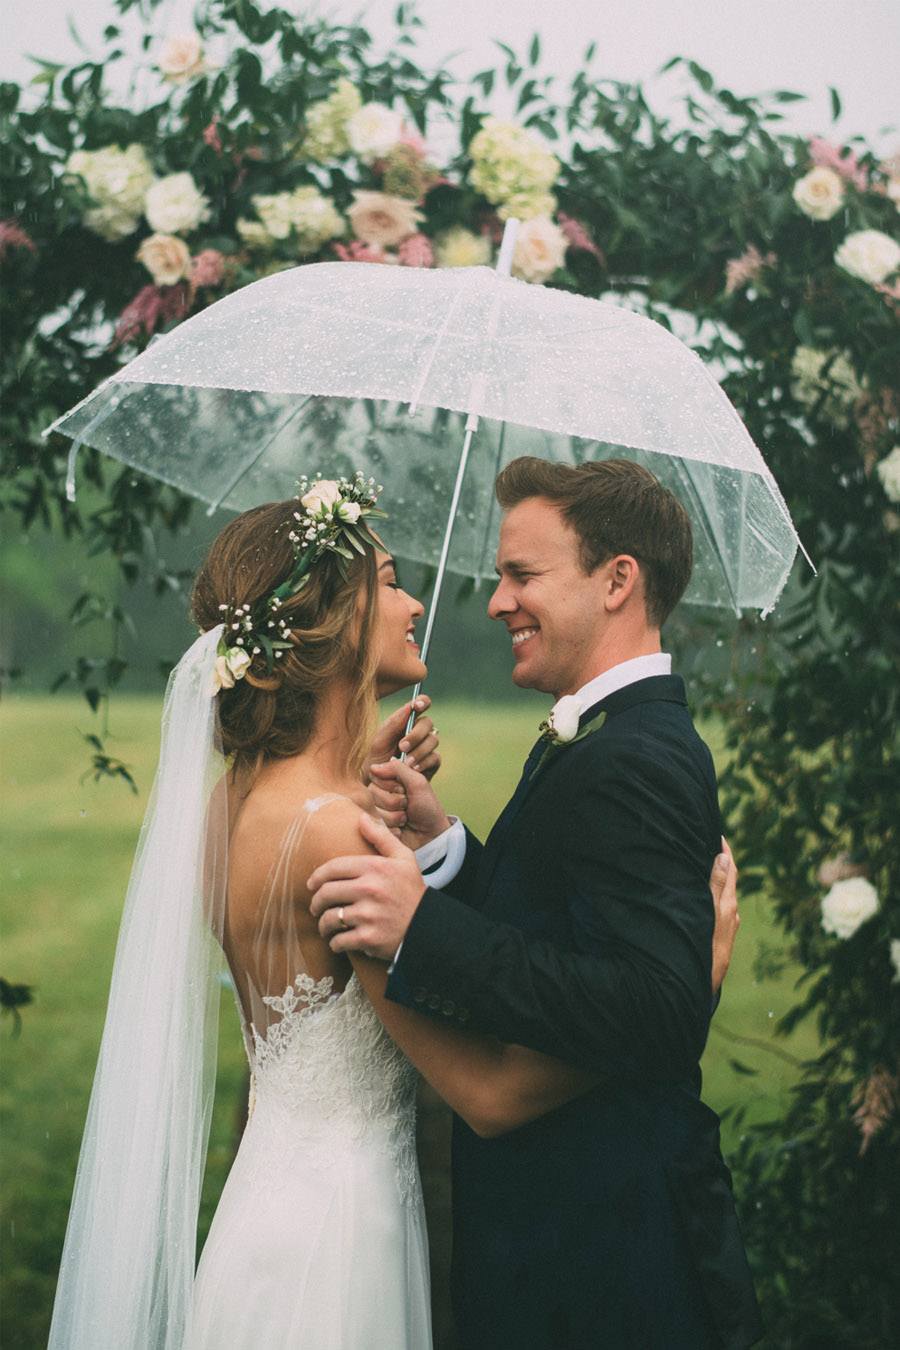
<point>416,608</point>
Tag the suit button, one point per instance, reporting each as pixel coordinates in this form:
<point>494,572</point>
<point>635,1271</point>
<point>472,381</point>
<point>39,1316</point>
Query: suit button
<point>434,1002</point>
<point>449,1007</point>
<point>419,995</point>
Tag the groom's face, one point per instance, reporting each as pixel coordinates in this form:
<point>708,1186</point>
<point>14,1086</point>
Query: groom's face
<point>552,609</point>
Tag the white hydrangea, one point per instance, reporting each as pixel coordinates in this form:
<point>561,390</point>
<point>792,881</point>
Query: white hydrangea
<point>373,131</point>
<point>254,234</point>
<point>326,123</point>
<point>889,472</point>
<point>848,905</point>
<point>819,193</point>
<point>869,255</point>
<point>511,163</point>
<point>175,205</point>
<point>117,180</point>
<point>312,218</point>
<point>825,378</point>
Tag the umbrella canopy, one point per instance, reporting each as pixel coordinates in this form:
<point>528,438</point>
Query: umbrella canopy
<point>339,366</point>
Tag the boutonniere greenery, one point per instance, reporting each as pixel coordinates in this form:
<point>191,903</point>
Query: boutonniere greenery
<point>558,742</point>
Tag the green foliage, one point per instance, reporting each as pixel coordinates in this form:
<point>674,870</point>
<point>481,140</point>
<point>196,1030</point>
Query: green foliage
<point>665,212</point>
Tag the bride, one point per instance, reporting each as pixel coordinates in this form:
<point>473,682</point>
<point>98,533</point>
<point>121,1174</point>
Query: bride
<point>319,1237</point>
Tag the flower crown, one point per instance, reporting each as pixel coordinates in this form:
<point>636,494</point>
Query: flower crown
<point>332,519</point>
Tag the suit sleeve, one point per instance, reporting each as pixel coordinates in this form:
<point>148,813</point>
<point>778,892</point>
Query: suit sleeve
<point>630,995</point>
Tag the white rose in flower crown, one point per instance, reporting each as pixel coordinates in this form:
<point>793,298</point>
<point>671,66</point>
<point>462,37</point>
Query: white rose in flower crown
<point>380,220</point>
<point>175,205</point>
<point>222,677</point>
<point>181,58</point>
<point>237,661</point>
<point>349,511</point>
<point>869,255</point>
<point>563,719</point>
<point>322,497</point>
<point>848,905</point>
<point>166,257</point>
<point>889,473</point>
<point>540,250</point>
<point>373,131</point>
<point>819,194</point>
<point>459,247</point>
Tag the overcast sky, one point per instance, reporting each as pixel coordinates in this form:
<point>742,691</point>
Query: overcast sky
<point>804,45</point>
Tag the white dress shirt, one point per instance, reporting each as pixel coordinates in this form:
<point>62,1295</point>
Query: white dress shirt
<point>451,845</point>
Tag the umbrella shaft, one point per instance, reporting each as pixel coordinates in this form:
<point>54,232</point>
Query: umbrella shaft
<point>471,426</point>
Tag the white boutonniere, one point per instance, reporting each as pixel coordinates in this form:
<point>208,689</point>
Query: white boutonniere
<point>561,724</point>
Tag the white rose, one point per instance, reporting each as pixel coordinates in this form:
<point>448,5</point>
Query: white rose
<point>540,250</point>
<point>819,194</point>
<point>869,255</point>
<point>175,205</point>
<point>459,247</point>
<point>166,257</point>
<point>181,58</point>
<point>321,497</point>
<point>381,220</point>
<point>349,511</point>
<point>222,677</point>
<point>237,661</point>
<point>848,905</point>
<point>889,473</point>
<point>895,959</point>
<point>564,718</point>
<point>374,131</point>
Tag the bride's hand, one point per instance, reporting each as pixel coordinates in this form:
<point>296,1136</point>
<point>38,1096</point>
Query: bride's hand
<point>407,803</point>
<point>420,746</point>
<point>723,884</point>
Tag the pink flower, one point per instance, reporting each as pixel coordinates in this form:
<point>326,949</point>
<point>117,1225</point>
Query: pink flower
<point>578,237</point>
<point>13,236</point>
<point>151,306</point>
<point>839,868</point>
<point>739,272</point>
<point>211,135</point>
<point>207,268</point>
<point>409,136</point>
<point>875,1100</point>
<point>845,162</point>
<point>356,251</point>
<point>416,251</point>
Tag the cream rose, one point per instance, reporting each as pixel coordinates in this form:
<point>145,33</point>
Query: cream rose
<point>237,661</point>
<point>379,219</point>
<point>848,905</point>
<point>564,718</point>
<point>540,250</point>
<point>869,255</point>
<point>222,677</point>
<point>175,205</point>
<point>181,58</point>
<point>349,511</point>
<point>819,193</point>
<point>322,497</point>
<point>373,131</point>
<point>166,257</point>
<point>889,473</point>
<point>458,247</point>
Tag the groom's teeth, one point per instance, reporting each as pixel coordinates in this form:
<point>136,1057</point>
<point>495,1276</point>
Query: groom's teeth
<point>522,635</point>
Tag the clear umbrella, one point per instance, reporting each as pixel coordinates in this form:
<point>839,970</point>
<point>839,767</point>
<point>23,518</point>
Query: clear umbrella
<point>432,381</point>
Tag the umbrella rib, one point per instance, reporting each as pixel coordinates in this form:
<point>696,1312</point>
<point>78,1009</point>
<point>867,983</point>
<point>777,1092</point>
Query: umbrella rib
<point>256,457</point>
<point>420,383</point>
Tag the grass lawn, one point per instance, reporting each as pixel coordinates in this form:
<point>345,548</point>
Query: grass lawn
<point>66,853</point>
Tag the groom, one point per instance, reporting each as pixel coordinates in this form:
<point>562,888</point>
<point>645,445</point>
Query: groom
<point>583,928</point>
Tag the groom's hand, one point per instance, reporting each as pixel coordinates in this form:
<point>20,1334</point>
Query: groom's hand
<point>723,884</point>
<point>420,746</point>
<point>407,803</point>
<point>365,904</point>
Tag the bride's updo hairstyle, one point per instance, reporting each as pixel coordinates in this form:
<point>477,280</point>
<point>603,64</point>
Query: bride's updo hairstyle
<point>272,715</point>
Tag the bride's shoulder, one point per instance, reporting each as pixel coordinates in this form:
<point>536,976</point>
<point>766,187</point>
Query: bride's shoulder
<point>332,825</point>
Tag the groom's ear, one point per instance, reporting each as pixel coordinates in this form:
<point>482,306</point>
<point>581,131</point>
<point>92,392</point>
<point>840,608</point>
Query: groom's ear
<point>622,580</point>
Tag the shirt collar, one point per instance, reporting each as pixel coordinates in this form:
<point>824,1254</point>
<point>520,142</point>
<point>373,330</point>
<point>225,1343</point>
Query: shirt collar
<point>618,677</point>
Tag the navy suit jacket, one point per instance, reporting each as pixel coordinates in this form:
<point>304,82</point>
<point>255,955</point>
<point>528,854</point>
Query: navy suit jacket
<point>583,928</point>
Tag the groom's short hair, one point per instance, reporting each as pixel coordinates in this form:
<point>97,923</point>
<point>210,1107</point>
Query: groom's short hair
<point>615,506</point>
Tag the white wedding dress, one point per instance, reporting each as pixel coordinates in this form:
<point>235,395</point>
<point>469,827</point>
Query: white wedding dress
<point>319,1239</point>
